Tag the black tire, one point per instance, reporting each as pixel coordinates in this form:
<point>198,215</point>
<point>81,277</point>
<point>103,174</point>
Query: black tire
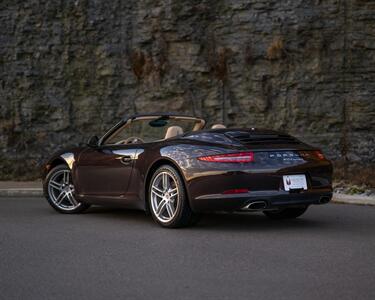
<point>286,213</point>
<point>75,210</point>
<point>183,216</point>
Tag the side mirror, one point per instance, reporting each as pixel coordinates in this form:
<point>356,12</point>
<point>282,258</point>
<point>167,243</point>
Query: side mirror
<point>93,141</point>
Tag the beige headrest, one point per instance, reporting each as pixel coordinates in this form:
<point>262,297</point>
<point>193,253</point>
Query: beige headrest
<point>218,126</point>
<point>173,131</point>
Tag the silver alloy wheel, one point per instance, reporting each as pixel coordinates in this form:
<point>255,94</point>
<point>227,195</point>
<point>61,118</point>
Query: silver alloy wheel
<point>164,197</point>
<point>61,190</point>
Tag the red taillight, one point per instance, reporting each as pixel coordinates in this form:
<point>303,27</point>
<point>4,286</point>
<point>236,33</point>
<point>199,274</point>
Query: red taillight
<point>317,155</point>
<point>240,157</point>
<point>236,191</point>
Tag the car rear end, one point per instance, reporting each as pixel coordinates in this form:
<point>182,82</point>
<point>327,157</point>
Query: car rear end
<point>255,170</point>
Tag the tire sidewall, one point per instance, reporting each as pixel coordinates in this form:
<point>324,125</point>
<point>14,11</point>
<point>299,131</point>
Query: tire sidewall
<point>181,196</point>
<point>78,209</point>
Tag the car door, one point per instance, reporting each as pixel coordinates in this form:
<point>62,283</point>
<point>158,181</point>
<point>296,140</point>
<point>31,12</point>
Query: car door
<point>105,171</point>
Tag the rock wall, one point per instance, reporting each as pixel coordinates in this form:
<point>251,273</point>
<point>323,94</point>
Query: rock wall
<point>70,69</point>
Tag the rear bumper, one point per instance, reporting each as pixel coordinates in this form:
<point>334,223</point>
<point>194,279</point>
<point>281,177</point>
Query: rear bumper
<point>273,199</point>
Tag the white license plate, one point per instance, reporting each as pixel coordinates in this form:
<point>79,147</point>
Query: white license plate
<point>292,182</point>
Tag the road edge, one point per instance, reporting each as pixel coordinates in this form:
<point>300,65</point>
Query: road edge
<point>353,199</point>
<point>21,192</point>
<point>337,198</point>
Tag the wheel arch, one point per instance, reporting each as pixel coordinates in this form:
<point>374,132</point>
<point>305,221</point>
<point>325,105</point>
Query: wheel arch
<point>51,164</point>
<point>155,165</point>
<point>63,159</point>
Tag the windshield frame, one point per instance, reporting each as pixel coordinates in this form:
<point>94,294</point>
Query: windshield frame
<point>199,125</point>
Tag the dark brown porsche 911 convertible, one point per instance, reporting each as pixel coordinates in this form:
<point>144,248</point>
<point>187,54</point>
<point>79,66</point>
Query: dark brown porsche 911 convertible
<point>173,168</point>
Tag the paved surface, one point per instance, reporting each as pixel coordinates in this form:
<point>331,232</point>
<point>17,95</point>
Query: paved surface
<point>119,254</point>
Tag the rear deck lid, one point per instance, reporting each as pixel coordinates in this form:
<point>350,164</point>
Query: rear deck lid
<point>265,139</point>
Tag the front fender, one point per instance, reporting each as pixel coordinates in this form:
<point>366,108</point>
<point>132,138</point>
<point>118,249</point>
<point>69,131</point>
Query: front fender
<point>68,157</point>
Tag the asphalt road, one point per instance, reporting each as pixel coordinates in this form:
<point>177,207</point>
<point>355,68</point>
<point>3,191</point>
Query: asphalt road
<point>116,254</point>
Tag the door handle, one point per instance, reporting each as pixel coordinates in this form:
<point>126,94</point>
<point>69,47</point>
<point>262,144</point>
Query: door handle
<point>126,159</point>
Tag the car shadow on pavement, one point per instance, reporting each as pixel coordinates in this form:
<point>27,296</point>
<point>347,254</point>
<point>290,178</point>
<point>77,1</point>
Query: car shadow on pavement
<point>116,213</point>
<point>255,221</point>
<point>215,221</point>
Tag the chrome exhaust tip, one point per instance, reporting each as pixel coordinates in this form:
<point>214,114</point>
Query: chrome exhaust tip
<point>257,205</point>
